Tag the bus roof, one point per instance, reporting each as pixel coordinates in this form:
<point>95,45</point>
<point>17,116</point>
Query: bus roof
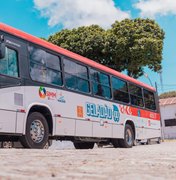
<point>70,54</point>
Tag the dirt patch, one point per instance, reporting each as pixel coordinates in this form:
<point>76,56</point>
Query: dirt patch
<point>156,161</point>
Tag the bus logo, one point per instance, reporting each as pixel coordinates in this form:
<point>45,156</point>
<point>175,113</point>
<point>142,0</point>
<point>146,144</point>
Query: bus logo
<point>61,98</point>
<point>42,92</point>
<point>103,111</point>
<point>116,114</point>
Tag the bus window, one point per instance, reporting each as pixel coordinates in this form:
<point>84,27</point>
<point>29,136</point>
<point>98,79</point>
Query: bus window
<point>100,84</point>
<point>38,72</point>
<point>136,95</point>
<point>120,90</point>
<point>54,77</point>
<point>37,55</point>
<point>45,67</point>
<point>149,100</point>
<point>9,64</point>
<point>53,66</point>
<point>76,76</point>
<point>53,62</point>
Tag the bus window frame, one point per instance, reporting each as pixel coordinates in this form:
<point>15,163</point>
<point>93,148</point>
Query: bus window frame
<point>46,51</point>
<point>18,63</point>
<point>88,75</point>
<point>154,96</point>
<point>142,107</point>
<point>110,85</point>
<point>121,102</point>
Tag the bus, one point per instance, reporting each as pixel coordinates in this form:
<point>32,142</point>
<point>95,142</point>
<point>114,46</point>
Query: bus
<point>49,93</point>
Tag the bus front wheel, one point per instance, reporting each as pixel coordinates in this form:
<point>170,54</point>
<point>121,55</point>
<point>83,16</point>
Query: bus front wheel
<point>128,140</point>
<point>37,132</point>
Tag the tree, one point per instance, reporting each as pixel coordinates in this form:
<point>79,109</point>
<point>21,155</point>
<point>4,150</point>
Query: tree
<point>136,44</point>
<point>167,95</point>
<point>128,45</point>
<point>86,41</point>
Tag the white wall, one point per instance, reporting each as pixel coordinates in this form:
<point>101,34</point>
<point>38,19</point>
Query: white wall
<point>168,112</point>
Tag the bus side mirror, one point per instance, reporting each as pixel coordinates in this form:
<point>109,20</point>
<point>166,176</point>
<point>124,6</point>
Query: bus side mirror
<point>2,50</point>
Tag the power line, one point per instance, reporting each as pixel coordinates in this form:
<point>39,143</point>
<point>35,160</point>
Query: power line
<point>166,84</point>
<point>166,89</point>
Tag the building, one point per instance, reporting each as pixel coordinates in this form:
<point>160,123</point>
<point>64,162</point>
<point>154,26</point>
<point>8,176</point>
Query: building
<point>168,117</point>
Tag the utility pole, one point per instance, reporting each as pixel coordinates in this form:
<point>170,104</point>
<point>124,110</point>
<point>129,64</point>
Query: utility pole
<point>161,79</point>
<point>147,76</point>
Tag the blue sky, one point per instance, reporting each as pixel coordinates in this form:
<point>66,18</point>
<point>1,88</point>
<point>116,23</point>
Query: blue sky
<point>45,17</point>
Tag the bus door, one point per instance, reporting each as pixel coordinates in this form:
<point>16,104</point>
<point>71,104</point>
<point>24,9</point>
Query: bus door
<point>11,91</point>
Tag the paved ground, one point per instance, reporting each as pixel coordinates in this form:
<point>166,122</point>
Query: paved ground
<point>140,162</point>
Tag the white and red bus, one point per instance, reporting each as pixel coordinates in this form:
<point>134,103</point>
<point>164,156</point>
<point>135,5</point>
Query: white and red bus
<point>47,92</point>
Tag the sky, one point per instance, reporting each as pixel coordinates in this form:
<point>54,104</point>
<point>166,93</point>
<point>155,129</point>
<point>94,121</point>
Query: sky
<point>42,18</point>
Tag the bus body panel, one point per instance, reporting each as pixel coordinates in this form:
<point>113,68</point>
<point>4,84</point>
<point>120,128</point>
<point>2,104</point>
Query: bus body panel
<point>20,122</point>
<point>12,116</point>
<point>84,128</point>
<point>11,119</point>
<point>88,117</point>
<point>65,126</point>
<point>7,121</point>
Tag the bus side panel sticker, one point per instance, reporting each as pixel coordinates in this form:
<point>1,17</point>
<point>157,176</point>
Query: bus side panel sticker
<point>103,111</point>
<point>80,111</point>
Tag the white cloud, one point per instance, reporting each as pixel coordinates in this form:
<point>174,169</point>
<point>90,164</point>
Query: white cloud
<point>74,13</point>
<point>151,8</point>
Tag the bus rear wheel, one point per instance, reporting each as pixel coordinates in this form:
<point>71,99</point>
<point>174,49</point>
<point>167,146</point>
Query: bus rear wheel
<point>115,143</point>
<point>37,132</point>
<point>83,145</point>
<point>128,140</point>
<point>159,140</point>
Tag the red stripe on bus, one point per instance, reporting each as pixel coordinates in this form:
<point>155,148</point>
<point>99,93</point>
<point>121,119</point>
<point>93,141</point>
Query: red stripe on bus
<point>70,54</point>
<point>133,111</point>
<point>145,114</point>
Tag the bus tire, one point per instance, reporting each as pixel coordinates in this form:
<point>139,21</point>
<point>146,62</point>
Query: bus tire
<point>48,144</point>
<point>37,132</point>
<point>148,142</point>
<point>83,145</point>
<point>128,140</point>
<point>159,141</point>
<point>143,143</point>
<point>115,143</point>
<point>7,144</point>
<point>135,143</point>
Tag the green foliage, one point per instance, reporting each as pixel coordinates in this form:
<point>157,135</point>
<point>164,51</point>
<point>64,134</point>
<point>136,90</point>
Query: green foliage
<point>128,45</point>
<point>43,38</point>
<point>86,41</point>
<point>139,43</point>
<point>167,95</point>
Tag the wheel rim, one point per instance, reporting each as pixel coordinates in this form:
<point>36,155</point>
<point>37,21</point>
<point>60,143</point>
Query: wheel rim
<point>129,137</point>
<point>37,131</point>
